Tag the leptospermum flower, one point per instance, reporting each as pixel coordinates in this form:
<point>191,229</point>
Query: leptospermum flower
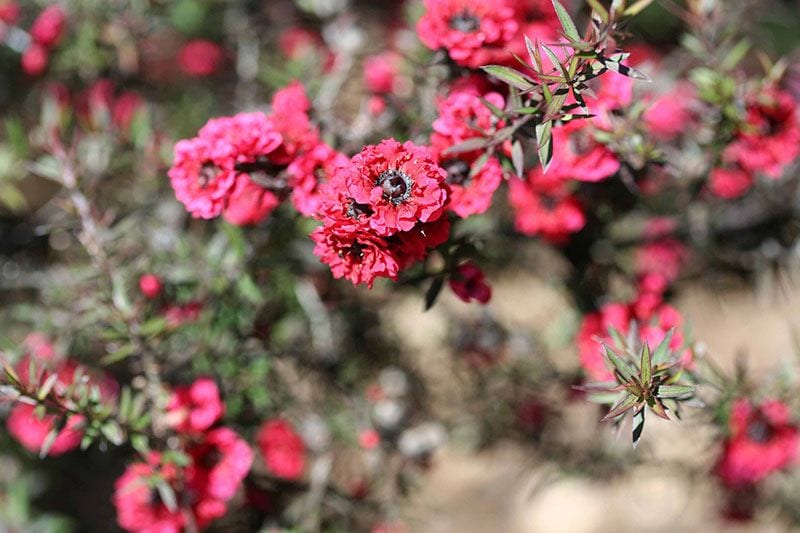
<point>282,448</point>
<point>469,283</point>
<point>473,32</point>
<point>462,116</point>
<point>195,408</point>
<point>762,440</point>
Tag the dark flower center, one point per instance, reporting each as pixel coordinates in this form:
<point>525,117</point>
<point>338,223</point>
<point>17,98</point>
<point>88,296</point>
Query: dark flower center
<point>457,171</point>
<point>355,209</point>
<point>211,458</point>
<point>207,174</point>
<point>265,173</point>
<point>396,186</point>
<point>465,22</point>
<point>760,430</point>
<point>548,202</point>
<point>354,252</point>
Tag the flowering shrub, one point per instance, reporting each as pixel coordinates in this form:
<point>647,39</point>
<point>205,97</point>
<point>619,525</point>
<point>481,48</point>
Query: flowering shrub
<point>216,222</point>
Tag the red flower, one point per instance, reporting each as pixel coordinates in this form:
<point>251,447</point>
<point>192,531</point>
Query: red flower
<point>289,116</point>
<point>124,109</point>
<point>179,314</point>
<point>544,206</point>
<point>474,32</point>
<point>139,506</point>
<point>48,28</point>
<point>150,286</point>
<point>401,184</point>
<point>31,431</point>
<point>9,12</point>
<point>577,155</point>
<point>357,255</point>
<point>200,58</point>
<point>762,440</point>
<point>382,72</point>
<point>770,138</point>
<point>730,183</point>
<point>195,408</point>
<point>205,169</point>
<point>670,113</point>
<point>249,203</point>
<point>369,439</point>
<point>308,171</point>
<point>34,60</point>
<point>282,448</point>
<point>219,464</point>
<point>469,284</point>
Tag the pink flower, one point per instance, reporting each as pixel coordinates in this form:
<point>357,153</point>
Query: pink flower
<point>401,184</point>
<point>289,116</point>
<point>180,314</point>
<point>205,169</point>
<point>577,155</point>
<point>220,461</point>
<point>474,32</point>
<point>150,286</point>
<point>468,283</point>
<point>200,58</point>
<point>382,72</point>
<point>369,439</point>
<point>249,203</point>
<point>9,11</point>
<point>124,109</point>
<point>544,206</point>
<point>762,441</point>
<point>137,501</point>
<point>48,28</point>
<point>34,60</point>
<point>308,171</point>
<point>32,431</point>
<point>282,448</point>
<point>770,138</point>
<point>195,408</point>
<point>729,183</point>
<point>671,113</point>
<point>359,256</point>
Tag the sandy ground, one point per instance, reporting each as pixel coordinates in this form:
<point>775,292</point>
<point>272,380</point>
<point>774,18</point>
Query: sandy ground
<point>505,489</point>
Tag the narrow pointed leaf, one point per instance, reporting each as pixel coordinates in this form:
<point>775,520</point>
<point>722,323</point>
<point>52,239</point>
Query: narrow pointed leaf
<point>637,7</point>
<point>433,292</point>
<point>622,367</point>
<point>566,22</point>
<point>598,8</point>
<point>544,144</point>
<point>628,402</point>
<point>658,408</point>
<point>646,367</point>
<point>674,391</point>
<point>475,143</point>
<point>661,353</point>
<point>638,428</point>
<point>518,158</point>
<point>509,76</point>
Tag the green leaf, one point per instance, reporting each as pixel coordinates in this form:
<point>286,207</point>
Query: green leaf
<point>48,442</point>
<point>167,495</point>
<point>496,111</point>
<point>249,290</point>
<point>112,431</point>
<point>736,54</point>
<point>661,354</point>
<point>509,76</point>
<point>154,326</point>
<point>475,143</point>
<point>518,158</point>
<point>623,406</point>
<point>46,387</point>
<point>646,367</point>
<point>17,137</point>
<point>637,8</point>
<point>119,354</point>
<point>544,143</point>
<point>623,368</point>
<point>675,391</point>
<point>566,22</point>
<point>598,8</point>
<point>625,70</point>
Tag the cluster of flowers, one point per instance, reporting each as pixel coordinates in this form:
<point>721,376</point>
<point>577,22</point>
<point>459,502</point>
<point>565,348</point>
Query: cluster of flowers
<point>766,142</point>
<point>238,166</point>
<point>45,33</point>
<point>209,470</point>
<point>23,422</point>
<point>477,32</point>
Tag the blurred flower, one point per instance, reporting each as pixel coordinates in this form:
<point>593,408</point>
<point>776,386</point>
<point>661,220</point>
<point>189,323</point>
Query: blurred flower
<point>180,314</point>
<point>729,183</point>
<point>671,113</point>
<point>9,11</point>
<point>200,58</point>
<point>308,171</point>
<point>220,461</point>
<point>282,448</point>
<point>150,286</point>
<point>249,203</point>
<point>770,137</point>
<point>369,439</point>
<point>543,205</point>
<point>48,28</point>
<point>382,73</point>
<point>195,408</point>
<point>34,60</point>
<point>468,283</point>
<point>762,440</point>
<point>137,500</point>
<point>577,155</point>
